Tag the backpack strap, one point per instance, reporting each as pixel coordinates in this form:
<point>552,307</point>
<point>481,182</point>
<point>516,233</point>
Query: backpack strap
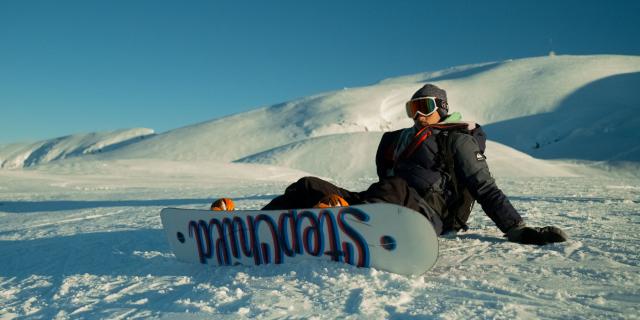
<point>462,126</point>
<point>415,143</point>
<point>422,135</point>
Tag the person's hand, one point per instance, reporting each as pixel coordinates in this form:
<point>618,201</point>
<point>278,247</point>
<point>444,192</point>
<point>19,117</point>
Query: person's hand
<point>539,236</point>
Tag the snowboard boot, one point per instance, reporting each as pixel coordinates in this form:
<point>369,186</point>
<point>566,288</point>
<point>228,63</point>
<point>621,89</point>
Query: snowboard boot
<point>330,201</point>
<point>223,204</point>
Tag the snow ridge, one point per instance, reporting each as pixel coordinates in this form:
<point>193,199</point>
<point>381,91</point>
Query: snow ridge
<point>28,155</point>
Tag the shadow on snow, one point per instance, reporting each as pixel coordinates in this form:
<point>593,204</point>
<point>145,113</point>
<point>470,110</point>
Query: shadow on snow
<point>67,205</point>
<point>597,122</point>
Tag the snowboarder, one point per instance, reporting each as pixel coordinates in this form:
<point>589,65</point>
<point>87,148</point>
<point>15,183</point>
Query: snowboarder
<point>436,167</point>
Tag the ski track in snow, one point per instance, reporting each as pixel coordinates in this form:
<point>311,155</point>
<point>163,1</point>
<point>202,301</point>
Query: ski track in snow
<point>104,255</point>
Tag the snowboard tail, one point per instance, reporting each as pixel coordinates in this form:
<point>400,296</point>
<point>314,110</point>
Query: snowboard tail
<point>384,236</point>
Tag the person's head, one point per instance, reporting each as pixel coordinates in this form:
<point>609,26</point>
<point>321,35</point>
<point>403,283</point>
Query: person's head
<point>428,105</point>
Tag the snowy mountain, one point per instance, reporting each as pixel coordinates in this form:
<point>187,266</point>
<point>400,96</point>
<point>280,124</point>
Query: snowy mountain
<point>81,237</point>
<point>560,107</point>
<point>548,106</point>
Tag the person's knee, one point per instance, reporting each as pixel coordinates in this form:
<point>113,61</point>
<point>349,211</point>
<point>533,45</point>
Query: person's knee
<point>309,181</point>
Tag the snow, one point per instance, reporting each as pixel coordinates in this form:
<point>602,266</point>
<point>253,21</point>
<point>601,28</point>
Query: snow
<point>81,238</point>
<point>25,155</point>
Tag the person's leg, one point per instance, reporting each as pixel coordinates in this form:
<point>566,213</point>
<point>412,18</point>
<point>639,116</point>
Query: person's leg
<point>306,192</point>
<point>391,190</point>
<point>396,190</point>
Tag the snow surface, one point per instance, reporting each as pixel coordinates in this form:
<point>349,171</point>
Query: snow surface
<point>81,238</point>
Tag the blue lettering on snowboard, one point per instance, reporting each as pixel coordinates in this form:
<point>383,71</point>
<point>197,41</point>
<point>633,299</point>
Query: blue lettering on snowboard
<point>232,237</point>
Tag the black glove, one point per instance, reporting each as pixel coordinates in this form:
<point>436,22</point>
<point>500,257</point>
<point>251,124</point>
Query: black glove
<point>539,236</point>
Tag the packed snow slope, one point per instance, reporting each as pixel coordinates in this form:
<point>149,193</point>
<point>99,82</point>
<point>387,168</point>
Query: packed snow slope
<point>81,243</point>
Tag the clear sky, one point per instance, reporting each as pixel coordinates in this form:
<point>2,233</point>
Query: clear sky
<point>81,66</point>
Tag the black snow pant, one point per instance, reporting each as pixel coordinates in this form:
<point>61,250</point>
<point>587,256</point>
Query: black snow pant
<point>306,192</point>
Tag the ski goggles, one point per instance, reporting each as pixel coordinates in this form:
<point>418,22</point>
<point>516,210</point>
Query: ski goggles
<point>424,106</point>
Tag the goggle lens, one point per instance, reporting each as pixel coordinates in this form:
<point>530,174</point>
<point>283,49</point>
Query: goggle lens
<point>424,106</point>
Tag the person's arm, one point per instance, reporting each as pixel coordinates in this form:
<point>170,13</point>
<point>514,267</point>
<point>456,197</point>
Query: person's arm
<point>471,166</point>
<point>384,154</point>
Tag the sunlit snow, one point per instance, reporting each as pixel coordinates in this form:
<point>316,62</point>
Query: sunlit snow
<point>80,231</point>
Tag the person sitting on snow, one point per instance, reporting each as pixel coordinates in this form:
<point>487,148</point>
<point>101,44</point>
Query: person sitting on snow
<point>436,167</point>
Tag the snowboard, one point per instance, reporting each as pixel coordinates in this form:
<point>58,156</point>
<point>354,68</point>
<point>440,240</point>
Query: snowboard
<point>380,235</point>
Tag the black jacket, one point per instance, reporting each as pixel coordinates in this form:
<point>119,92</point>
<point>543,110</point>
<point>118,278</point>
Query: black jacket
<point>424,171</point>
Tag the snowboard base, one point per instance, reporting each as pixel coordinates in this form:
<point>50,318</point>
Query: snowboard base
<point>380,235</point>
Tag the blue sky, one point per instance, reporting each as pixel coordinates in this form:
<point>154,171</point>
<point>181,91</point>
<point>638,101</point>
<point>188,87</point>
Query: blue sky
<point>81,66</point>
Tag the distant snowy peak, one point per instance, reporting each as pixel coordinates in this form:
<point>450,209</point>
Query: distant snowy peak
<point>26,155</point>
